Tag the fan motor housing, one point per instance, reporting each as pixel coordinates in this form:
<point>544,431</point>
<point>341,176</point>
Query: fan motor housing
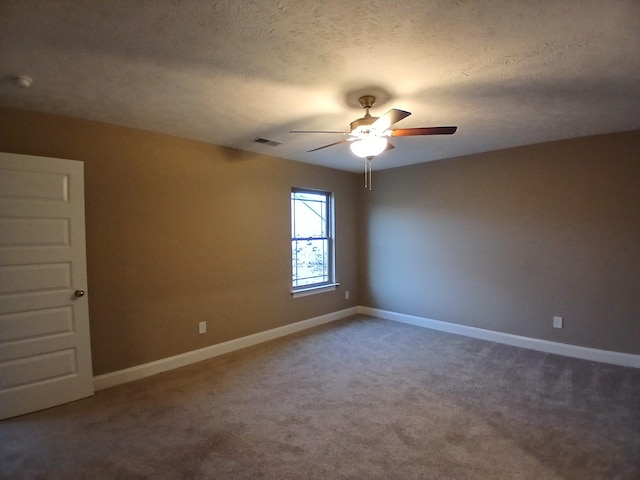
<point>362,122</point>
<point>366,101</point>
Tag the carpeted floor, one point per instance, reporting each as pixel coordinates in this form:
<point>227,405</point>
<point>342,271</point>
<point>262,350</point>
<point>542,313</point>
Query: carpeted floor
<point>362,398</point>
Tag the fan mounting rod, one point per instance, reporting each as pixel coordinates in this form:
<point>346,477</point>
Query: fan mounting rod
<point>367,101</point>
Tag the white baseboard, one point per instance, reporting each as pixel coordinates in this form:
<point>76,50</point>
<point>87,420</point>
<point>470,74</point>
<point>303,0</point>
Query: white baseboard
<point>111,379</point>
<point>585,353</point>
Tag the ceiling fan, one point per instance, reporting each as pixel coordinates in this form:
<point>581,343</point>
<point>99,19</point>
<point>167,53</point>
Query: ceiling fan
<point>369,135</point>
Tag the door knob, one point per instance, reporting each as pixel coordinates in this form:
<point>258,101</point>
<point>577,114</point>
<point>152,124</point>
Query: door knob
<point>79,293</point>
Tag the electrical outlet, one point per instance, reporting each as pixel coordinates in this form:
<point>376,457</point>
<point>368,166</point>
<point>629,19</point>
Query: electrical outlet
<point>557,322</point>
<point>346,294</point>
<point>202,327</point>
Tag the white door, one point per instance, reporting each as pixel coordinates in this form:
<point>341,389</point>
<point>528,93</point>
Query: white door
<point>45,353</point>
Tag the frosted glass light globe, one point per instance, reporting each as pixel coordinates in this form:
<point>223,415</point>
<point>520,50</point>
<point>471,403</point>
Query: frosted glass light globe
<point>369,146</point>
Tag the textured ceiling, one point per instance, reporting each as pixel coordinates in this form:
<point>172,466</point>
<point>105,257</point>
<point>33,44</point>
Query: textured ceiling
<point>506,72</point>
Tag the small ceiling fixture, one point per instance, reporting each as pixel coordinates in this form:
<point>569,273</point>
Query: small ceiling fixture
<point>23,81</point>
<point>369,135</point>
<point>266,141</point>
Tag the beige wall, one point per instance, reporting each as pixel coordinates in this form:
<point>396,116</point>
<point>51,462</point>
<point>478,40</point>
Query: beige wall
<point>180,231</point>
<point>506,240</point>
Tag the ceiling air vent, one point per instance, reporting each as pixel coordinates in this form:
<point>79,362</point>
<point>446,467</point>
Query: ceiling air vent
<point>272,143</point>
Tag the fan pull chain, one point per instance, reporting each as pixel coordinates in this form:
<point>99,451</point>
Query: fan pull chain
<point>367,173</point>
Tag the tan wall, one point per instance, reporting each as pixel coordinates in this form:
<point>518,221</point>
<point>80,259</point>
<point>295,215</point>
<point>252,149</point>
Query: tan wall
<point>508,239</point>
<point>180,231</point>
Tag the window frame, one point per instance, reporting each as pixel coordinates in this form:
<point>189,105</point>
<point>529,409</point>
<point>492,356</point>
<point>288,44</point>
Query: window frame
<point>330,284</point>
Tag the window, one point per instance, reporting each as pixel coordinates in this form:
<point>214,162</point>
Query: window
<point>311,240</point>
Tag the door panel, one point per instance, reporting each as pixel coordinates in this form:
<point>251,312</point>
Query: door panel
<point>24,279</point>
<point>45,355</point>
<point>34,185</point>
<point>36,323</point>
<point>34,232</point>
<point>38,368</point>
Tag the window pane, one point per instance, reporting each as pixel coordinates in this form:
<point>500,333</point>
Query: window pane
<point>309,215</point>
<point>310,262</point>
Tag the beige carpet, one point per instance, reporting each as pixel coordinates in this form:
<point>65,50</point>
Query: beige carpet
<point>357,399</point>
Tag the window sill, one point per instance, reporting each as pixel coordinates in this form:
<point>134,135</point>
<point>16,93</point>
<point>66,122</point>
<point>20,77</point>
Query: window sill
<point>304,292</point>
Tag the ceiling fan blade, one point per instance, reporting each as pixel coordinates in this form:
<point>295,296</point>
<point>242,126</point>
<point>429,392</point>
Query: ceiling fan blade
<point>317,131</point>
<point>385,121</point>
<point>408,132</point>
<point>330,145</point>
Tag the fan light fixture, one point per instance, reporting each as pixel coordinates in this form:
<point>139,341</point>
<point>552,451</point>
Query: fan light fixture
<point>369,146</point>
<point>368,136</point>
